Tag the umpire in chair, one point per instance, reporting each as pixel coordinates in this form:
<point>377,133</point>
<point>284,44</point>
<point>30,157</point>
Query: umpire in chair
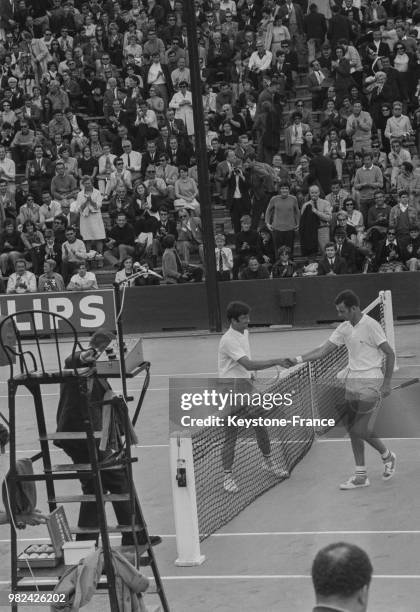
<point>71,418</point>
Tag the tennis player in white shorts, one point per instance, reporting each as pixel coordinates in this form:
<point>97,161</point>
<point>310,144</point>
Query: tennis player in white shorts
<point>236,367</point>
<point>365,381</point>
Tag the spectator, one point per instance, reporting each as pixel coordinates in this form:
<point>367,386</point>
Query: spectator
<point>50,249</point>
<point>341,575</point>
<point>389,253</point>
<point>331,263</point>
<point>246,244</point>
<point>397,156</point>
<point>282,218</point>
<point>29,212</point>
<point>342,223</point>
<point>335,148</point>
<point>123,275</point>
<point>173,270</point>
<point>32,240</point>
<point>7,204</point>
<point>267,252</point>
<point>120,243</point>
<point>254,270</point>
<point>315,29</point>
<point>402,216</point>
<point>38,172</point>
<point>367,180</point>
<point>21,281</point>
<point>189,236</point>
<point>368,263</point>
<point>22,145</point>
<point>165,225</point>
<point>89,203</point>
<point>337,196</point>
<point>317,81</point>
<point>186,192</point>
<point>11,247</point>
<point>398,125</point>
<point>359,127</point>
<point>7,170</point>
<point>73,253</point>
<point>82,280</point>
<point>63,185</point>
<point>354,219</point>
<point>294,137</point>
<point>224,258</point>
<point>283,267</point>
<point>147,276</point>
<point>238,199</point>
<point>50,280</point>
<point>378,218</point>
<point>314,226</point>
<point>412,250</point>
<point>181,102</point>
<point>322,171</point>
<point>408,181</point>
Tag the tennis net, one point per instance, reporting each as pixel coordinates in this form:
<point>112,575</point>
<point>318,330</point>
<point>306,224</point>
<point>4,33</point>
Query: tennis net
<point>316,395</point>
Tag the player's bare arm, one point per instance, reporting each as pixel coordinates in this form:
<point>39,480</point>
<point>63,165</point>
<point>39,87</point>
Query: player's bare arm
<point>317,353</point>
<point>389,367</point>
<point>262,364</point>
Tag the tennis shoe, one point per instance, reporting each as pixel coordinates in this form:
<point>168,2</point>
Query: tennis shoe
<point>271,466</point>
<point>230,485</point>
<point>355,482</point>
<point>389,467</point>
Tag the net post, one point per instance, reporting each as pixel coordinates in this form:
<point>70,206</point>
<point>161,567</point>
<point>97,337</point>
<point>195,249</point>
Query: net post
<point>386,299</point>
<point>185,502</point>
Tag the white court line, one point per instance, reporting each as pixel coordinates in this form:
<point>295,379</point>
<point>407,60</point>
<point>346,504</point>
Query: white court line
<point>56,394</point>
<point>262,533</point>
<point>150,446</point>
<point>153,375</point>
<point>58,450</point>
<point>40,581</point>
<point>348,439</point>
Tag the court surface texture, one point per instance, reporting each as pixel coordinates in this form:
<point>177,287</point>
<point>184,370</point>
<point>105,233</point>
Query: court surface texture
<point>261,560</point>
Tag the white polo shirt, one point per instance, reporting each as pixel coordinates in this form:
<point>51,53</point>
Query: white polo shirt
<point>233,346</point>
<point>362,342</point>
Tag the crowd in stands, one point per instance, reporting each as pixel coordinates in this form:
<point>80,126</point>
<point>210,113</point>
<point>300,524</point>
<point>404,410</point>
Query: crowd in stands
<point>312,126</point>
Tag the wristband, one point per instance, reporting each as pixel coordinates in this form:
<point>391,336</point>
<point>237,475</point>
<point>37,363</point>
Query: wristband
<point>299,359</point>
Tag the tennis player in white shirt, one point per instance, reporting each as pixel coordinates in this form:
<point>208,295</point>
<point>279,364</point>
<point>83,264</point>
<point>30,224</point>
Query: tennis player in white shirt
<point>365,382</point>
<point>235,363</point>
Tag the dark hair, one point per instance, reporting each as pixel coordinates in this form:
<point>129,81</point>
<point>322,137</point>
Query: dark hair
<point>169,241</point>
<point>236,310</point>
<point>329,245</point>
<point>341,569</point>
<point>348,298</point>
<point>27,223</point>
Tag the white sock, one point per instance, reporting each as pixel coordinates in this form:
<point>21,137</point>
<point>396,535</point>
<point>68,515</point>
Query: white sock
<point>361,471</point>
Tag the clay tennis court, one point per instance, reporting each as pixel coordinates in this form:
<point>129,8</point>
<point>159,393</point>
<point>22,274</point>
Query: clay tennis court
<point>261,560</point>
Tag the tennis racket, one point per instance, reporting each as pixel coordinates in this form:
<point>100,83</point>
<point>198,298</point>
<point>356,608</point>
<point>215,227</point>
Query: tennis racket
<point>264,381</point>
<point>406,383</point>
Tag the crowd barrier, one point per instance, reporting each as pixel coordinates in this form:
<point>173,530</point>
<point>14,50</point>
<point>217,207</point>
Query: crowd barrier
<point>299,301</point>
